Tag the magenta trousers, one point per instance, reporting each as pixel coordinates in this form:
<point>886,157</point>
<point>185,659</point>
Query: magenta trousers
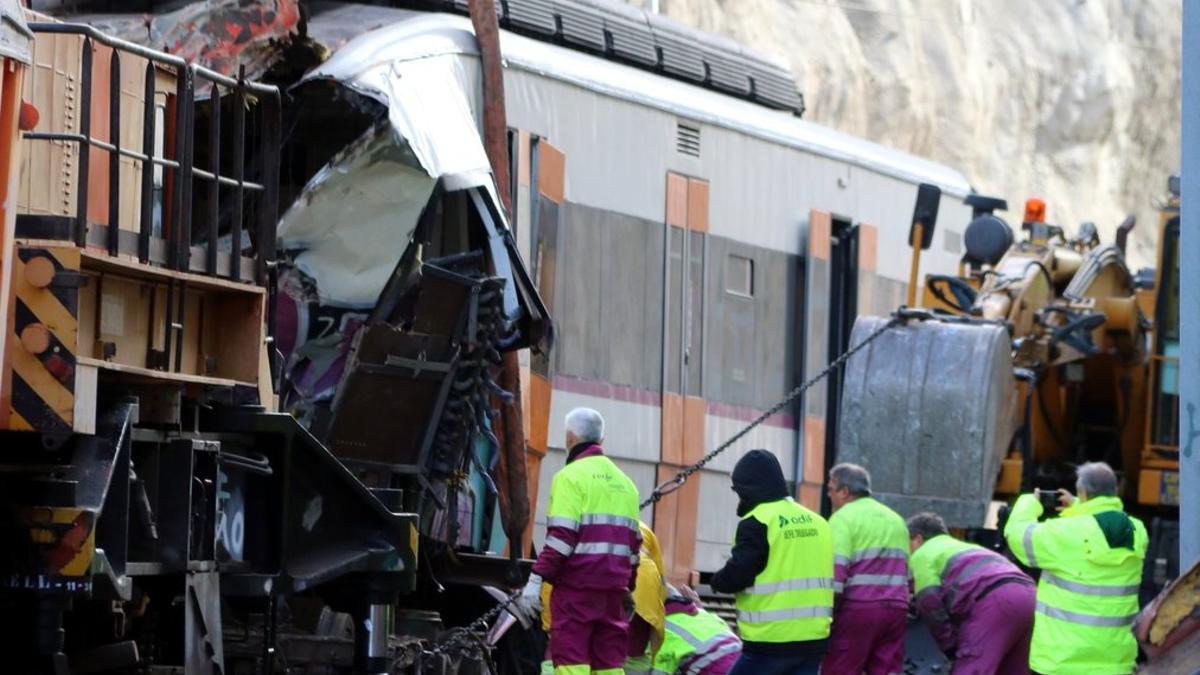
<point>867,640</point>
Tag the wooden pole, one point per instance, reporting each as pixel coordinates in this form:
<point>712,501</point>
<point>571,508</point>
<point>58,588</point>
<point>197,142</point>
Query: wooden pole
<point>510,470</point>
<point>918,236</point>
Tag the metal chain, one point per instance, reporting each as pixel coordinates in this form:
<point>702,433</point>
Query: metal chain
<point>673,484</point>
<point>457,639</point>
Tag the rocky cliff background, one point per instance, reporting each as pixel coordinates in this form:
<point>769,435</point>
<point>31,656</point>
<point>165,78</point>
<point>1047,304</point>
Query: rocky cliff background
<point>1075,101</point>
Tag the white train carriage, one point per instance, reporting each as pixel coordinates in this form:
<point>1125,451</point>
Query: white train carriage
<point>701,254</point>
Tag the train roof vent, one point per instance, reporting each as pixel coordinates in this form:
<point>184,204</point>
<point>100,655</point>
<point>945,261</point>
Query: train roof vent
<point>687,138</point>
<point>615,30</point>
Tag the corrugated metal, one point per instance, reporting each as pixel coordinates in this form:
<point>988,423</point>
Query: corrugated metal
<point>680,49</point>
<point>728,70</point>
<point>581,26</point>
<point>534,16</point>
<point>628,34</point>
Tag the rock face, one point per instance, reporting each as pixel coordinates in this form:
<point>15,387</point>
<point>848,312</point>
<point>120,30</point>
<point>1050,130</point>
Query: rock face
<point>1075,101</point>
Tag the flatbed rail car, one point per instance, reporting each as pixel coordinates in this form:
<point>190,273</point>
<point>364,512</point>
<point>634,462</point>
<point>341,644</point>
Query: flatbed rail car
<point>149,498</point>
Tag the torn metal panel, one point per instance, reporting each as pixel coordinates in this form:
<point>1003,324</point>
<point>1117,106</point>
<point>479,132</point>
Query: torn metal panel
<point>354,219</point>
<point>427,89</point>
<point>402,285</point>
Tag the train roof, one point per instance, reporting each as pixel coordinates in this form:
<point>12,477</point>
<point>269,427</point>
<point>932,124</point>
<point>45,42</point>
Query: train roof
<point>426,33</point>
<point>617,31</point>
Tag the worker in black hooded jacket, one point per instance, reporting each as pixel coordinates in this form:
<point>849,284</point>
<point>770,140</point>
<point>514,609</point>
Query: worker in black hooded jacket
<point>781,572</point>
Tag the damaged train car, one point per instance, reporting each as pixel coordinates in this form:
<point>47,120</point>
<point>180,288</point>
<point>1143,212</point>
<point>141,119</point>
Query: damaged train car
<point>400,282</point>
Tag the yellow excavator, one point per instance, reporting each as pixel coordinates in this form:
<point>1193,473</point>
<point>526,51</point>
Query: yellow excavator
<point>1041,354</point>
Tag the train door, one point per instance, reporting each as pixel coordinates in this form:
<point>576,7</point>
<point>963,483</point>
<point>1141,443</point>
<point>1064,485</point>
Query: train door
<point>830,305</point>
<point>843,310</point>
<point>683,408</point>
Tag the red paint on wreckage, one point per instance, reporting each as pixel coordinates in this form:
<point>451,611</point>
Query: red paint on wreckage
<point>226,34</point>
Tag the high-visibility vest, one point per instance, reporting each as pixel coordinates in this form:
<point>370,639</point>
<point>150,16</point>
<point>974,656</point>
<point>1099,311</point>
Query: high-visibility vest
<point>792,598</point>
<point>693,642</point>
<point>951,576</point>
<point>930,562</point>
<point>946,564</point>
<point>1087,596</point>
<point>649,595</point>
<point>593,498</point>
<point>870,549</point>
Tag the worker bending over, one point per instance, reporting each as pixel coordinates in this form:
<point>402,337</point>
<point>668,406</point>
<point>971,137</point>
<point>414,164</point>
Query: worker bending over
<point>590,555</point>
<point>977,604</point>
<point>781,570</point>
<point>1091,561</point>
<point>870,570</point>
<point>697,642</point>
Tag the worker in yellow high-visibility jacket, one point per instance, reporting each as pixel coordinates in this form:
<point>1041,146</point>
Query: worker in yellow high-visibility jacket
<point>781,572</point>
<point>870,578</point>
<point>590,555</point>
<point>696,642</point>
<point>1091,561</point>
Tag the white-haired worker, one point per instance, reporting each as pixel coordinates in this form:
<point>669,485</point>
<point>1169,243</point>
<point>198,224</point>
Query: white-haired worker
<point>590,555</point>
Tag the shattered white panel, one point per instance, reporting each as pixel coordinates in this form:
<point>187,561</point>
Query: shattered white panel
<point>357,214</point>
<point>427,88</point>
<point>355,218</point>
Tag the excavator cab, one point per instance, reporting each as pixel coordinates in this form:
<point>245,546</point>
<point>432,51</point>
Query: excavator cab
<point>1158,480</point>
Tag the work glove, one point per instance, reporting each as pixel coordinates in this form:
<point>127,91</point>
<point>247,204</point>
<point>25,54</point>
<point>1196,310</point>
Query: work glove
<point>529,602</point>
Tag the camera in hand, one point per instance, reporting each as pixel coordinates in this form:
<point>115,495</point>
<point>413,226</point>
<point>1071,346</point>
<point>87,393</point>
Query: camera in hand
<point>1048,499</point>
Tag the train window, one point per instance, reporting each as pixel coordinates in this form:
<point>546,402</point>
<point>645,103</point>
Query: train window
<point>739,276</point>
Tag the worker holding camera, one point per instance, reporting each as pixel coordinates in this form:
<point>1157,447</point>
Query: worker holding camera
<point>1091,561</point>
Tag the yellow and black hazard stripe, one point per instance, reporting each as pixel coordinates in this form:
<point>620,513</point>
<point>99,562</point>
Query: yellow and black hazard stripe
<point>45,329</point>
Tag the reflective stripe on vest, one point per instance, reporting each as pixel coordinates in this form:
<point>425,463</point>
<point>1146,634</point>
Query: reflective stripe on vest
<point>559,545</point>
<point>1086,619</point>
<point>790,585</point>
<point>879,552</point>
<point>609,519</point>
<point>1027,542</point>
<point>565,523</point>
<point>602,548</point>
<point>692,642</point>
<point>871,552</point>
<point>729,646</point>
<point>784,614</point>
<point>792,598</point>
<point>1088,589</point>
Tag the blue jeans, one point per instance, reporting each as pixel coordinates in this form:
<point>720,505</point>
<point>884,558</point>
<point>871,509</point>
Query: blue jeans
<point>764,664</point>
